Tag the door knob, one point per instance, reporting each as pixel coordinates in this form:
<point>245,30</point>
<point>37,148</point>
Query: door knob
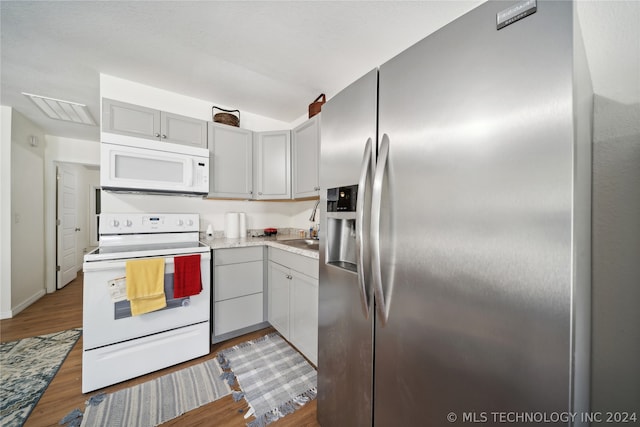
<point>77,228</point>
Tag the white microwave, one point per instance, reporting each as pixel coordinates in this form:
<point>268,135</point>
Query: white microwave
<point>133,165</point>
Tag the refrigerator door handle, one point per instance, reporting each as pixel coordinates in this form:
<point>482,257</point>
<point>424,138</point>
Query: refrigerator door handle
<point>366,169</point>
<point>376,205</point>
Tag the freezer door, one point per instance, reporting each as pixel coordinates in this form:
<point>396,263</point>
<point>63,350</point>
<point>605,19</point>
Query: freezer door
<point>475,226</point>
<point>345,329</point>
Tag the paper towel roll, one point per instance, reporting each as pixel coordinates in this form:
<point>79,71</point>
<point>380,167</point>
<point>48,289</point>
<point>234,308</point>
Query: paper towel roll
<point>243,224</point>
<point>232,225</point>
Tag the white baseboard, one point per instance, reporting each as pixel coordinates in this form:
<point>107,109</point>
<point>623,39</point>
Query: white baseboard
<point>26,303</point>
<point>6,315</point>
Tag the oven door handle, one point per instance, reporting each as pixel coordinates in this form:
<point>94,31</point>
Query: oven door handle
<point>118,265</point>
<point>121,264</point>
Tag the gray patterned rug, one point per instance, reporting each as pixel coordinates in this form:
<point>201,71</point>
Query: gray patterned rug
<point>157,401</point>
<point>274,378</point>
<point>27,366</point>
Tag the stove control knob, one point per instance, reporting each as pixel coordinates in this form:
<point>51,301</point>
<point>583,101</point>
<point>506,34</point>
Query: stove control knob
<point>189,222</point>
<point>128,223</point>
<point>115,223</point>
<point>179,222</point>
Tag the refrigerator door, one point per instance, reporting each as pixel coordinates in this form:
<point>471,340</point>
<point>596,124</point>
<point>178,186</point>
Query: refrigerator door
<point>345,326</point>
<point>475,226</point>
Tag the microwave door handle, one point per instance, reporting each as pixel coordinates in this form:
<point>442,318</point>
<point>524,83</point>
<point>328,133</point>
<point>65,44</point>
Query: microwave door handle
<point>112,165</point>
<point>189,164</point>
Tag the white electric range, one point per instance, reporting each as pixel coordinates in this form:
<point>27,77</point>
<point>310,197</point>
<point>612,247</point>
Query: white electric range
<point>118,346</point>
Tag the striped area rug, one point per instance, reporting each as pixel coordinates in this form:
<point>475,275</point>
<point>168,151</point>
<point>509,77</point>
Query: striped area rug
<point>274,378</point>
<point>157,401</point>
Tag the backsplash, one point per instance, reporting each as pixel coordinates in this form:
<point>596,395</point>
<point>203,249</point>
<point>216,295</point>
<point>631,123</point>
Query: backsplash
<point>255,232</point>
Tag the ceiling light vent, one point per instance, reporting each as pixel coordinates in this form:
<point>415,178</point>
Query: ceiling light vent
<point>62,110</point>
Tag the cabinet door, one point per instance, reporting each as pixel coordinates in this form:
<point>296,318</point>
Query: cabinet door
<point>129,119</point>
<point>231,162</point>
<point>305,141</point>
<point>278,298</point>
<point>304,315</point>
<point>273,165</point>
<point>183,130</point>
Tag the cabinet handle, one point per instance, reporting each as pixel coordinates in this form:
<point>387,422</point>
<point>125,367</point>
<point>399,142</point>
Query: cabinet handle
<point>164,136</point>
<point>157,135</point>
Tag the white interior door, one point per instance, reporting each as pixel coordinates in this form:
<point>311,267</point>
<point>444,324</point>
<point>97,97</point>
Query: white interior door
<point>67,226</point>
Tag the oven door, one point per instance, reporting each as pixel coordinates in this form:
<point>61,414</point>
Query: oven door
<point>106,322</point>
<point>137,169</point>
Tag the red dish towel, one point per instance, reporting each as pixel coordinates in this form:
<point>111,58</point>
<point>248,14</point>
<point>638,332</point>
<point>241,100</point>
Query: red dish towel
<point>186,279</point>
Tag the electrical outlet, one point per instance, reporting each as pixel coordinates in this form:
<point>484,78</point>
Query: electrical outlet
<point>18,217</point>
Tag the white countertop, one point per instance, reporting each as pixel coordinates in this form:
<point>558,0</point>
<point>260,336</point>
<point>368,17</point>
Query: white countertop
<point>275,242</point>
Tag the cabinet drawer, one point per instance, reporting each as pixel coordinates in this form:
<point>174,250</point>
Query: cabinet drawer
<point>236,280</point>
<point>238,313</point>
<point>301,263</point>
<point>237,255</point>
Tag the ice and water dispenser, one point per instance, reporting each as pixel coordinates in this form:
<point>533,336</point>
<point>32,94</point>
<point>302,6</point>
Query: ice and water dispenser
<point>341,227</point>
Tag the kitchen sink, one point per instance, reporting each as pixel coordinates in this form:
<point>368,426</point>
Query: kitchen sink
<point>311,244</point>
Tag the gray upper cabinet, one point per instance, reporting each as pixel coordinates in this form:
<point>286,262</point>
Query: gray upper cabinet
<point>131,120</point>
<point>231,162</point>
<point>142,122</point>
<point>305,141</point>
<point>272,165</point>
<point>183,130</point>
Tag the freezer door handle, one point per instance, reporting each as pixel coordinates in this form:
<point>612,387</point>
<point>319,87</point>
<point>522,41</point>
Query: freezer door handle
<point>382,302</point>
<point>362,248</point>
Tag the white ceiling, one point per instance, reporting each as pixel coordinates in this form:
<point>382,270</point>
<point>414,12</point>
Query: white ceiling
<point>266,57</point>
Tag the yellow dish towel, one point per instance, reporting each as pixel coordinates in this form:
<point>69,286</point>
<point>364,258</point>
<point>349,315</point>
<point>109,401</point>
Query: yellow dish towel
<point>145,285</point>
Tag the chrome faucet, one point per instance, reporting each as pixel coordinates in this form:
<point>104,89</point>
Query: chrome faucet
<point>312,218</point>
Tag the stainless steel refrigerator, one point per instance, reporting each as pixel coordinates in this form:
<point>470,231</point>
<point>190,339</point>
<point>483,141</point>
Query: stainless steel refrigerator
<point>455,228</point>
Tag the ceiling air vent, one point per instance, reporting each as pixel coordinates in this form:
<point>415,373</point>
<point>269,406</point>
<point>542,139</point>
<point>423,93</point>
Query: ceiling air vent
<point>62,110</point>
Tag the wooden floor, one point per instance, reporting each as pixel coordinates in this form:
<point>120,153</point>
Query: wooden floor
<point>63,310</point>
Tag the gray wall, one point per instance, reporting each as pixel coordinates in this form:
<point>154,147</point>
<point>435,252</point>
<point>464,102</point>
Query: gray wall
<point>616,257</point>
<point>27,213</point>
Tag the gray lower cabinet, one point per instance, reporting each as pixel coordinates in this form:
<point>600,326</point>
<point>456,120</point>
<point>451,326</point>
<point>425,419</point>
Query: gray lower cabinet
<point>142,122</point>
<point>230,162</point>
<point>272,165</point>
<point>303,314</point>
<point>305,147</point>
<point>238,292</point>
<point>293,300</point>
<point>278,299</point>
